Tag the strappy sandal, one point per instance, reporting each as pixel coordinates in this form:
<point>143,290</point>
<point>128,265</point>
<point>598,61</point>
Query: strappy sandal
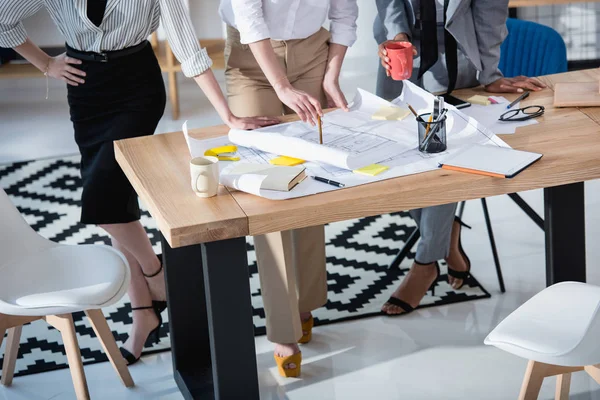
<point>463,275</point>
<point>407,308</point>
<point>153,336</point>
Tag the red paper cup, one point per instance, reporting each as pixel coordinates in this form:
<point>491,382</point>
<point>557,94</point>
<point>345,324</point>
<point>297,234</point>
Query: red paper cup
<point>401,60</point>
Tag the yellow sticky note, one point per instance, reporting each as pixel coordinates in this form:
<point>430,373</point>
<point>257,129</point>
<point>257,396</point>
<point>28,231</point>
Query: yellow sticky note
<point>286,161</point>
<point>390,114</point>
<point>481,100</point>
<point>371,170</point>
<point>223,153</point>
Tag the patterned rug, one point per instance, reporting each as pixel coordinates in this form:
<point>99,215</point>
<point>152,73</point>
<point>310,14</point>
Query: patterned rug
<point>47,193</point>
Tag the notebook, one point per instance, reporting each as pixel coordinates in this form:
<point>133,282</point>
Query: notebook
<point>500,162</point>
<point>273,177</point>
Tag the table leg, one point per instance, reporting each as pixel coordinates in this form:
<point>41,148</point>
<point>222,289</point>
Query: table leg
<point>210,319</point>
<point>564,221</point>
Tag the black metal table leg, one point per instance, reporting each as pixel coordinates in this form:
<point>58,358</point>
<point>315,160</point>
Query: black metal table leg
<point>564,221</point>
<point>205,283</point>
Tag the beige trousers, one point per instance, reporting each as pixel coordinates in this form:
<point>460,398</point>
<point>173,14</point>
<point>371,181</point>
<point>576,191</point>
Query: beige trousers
<point>291,264</point>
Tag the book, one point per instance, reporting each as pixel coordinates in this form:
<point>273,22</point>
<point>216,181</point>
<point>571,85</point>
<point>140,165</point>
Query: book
<point>271,177</point>
<point>496,161</point>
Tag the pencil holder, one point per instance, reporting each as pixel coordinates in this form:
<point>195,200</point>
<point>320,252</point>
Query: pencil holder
<point>432,135</point>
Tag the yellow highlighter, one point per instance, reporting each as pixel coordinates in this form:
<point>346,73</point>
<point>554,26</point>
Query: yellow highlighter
<point>223,153</point>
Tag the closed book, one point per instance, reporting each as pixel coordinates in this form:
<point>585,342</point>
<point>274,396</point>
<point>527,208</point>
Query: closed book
<point>271,177</point>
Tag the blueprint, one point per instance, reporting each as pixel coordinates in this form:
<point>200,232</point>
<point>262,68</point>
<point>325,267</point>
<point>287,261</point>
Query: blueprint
<point>395,143</point>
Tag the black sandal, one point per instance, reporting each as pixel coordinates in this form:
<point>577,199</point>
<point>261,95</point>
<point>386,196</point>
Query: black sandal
<point>463,275</point>
<point>159,306</point>
<point>407,308</point>
<point>130,358</point>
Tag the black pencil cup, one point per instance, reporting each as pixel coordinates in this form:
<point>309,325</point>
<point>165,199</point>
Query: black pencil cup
<point>432,135</point>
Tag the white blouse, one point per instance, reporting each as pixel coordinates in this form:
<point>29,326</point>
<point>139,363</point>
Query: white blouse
<point>126,23</point>
<point>291,19</point>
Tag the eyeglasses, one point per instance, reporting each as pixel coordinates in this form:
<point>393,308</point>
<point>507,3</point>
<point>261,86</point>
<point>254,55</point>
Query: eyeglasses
<point>522,114</point>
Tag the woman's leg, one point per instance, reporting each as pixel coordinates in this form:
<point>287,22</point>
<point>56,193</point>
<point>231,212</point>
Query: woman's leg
<point>435,224</point>
<point>132,237</point>
<point>144,321</point>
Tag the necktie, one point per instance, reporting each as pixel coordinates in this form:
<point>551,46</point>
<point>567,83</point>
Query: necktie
<point>451,53</point>
<point>429,43</point>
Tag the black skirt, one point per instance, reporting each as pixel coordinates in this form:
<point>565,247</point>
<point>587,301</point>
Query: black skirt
<point>120,99</point>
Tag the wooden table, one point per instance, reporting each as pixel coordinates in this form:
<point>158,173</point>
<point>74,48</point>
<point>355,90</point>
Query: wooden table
<point>530,3</point>
<point>204,244</point>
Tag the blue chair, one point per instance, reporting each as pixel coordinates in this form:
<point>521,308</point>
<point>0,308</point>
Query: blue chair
<point>532,49</point>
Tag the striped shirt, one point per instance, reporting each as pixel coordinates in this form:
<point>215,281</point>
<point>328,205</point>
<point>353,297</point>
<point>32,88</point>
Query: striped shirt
<point>126,23</point>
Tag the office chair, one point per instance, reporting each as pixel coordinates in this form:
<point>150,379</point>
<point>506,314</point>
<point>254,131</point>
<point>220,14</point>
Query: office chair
<point>530,49</point>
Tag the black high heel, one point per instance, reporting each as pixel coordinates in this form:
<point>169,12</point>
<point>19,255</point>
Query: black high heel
<point>159,306</point>
<point>153,336</point>
<point>463,275</point>
<point>407,308</point>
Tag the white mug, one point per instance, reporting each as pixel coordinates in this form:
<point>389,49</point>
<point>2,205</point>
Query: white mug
<point>205,176</point>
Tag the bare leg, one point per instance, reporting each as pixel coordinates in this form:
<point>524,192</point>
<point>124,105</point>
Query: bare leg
<point>133,238</point>
<point>455,258</point>
<point>144,321</point>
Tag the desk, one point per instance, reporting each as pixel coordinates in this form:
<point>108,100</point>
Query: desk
<point>205,250</point>
<point>530,3</point>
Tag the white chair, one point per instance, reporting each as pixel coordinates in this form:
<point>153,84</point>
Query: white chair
<point>558,330</point>
<point>40,279</point>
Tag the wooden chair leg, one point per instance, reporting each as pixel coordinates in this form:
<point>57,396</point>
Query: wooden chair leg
<point>593,371</point>
<point>109,345</point>
<point>10,355</point>
<point>174,95</point>
<point>532,383</point>
<point>563,387</point>
<point>64,323</point>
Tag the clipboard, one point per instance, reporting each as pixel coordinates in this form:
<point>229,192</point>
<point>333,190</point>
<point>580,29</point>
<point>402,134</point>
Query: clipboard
<point>494,161</point>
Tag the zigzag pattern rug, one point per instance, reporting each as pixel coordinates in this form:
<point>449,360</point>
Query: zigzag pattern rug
<point>47,193</point>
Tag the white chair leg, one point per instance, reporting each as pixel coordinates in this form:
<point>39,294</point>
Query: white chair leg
<point>532,383</point>
<point>563,386</point>
<point>109,345</point>
<point>64,323</point>
<point>10,355</point>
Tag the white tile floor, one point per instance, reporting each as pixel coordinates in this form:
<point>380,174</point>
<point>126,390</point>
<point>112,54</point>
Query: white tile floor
<point>432,354</point>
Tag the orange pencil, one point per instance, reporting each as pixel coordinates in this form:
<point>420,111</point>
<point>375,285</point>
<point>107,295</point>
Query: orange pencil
<point>472,171</point>
<point>320,129</point>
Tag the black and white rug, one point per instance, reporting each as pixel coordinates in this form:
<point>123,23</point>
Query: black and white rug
<point>47,193</point>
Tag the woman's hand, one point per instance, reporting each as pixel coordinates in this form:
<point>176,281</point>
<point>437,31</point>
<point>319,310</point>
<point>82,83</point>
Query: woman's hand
<point>333,92</point>
<point>59,67</point>
<point>303,104</point>
<point>515,85</point>
<point>251,122</point>
<point>385,61</point>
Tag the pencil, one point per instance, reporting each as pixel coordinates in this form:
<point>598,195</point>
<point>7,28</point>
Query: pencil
<point>412,110</point>
<point>320,129</point>
<point>428,125</point>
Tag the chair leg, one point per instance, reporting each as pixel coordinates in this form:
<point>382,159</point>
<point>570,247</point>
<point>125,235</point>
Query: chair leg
<point>563,386</point>
<point>10,355</point>
<point>174,95</point>
<point>488,223</point>
<point>593,371</point>
<point>410,243</point>
<point>64,323</point>
<point>109,345</point>
<point>461,209</point>
<point>532,383</point>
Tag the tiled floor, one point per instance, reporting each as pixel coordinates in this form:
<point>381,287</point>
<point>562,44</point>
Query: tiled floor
<point>436,353</point>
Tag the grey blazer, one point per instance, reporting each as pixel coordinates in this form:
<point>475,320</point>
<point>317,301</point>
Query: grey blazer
<point>479,27</point>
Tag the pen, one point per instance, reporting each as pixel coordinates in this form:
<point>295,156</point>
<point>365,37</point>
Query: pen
<point>328,181</point>
<point>521,97</point>
<point>320,129</point>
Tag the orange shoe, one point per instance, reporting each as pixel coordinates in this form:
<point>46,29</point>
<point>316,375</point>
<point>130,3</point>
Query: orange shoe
<point>293,359</point>
<point>307,327</point>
